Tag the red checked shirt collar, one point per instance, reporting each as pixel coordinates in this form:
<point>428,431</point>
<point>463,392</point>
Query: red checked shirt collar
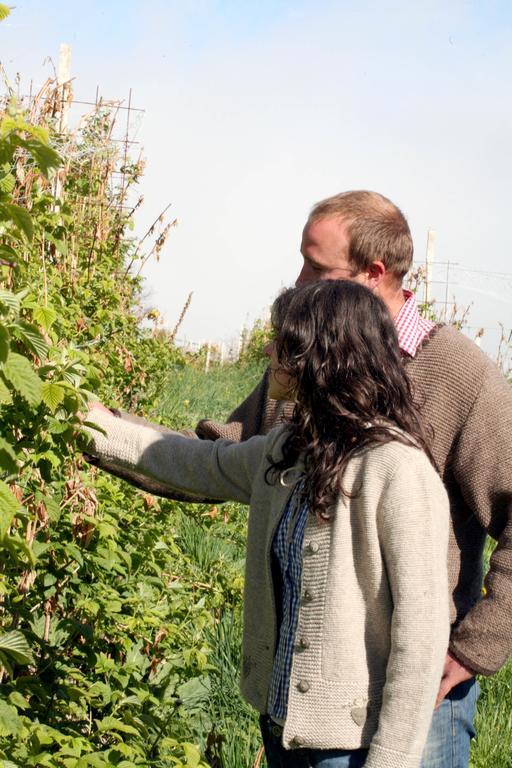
<point>411,328</point>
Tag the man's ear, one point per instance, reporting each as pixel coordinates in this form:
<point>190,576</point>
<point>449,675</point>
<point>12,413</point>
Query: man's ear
<point>375,274</point>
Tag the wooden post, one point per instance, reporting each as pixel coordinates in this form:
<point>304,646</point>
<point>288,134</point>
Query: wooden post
<point>429,261</point>
<point>63,104</point>
<point>446,291</point>
<point>64,85</point>
<point>240,342</point>
<point>208,357</point>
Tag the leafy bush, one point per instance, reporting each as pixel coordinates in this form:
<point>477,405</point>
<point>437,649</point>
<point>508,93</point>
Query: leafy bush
<point>96,632</point>
<point>255,341</point>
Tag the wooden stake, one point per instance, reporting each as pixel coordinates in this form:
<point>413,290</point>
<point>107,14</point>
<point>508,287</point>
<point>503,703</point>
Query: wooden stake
<point>64,84</point>
<point>429,261</point>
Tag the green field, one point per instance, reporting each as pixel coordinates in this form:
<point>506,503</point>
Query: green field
<point>189,396</point>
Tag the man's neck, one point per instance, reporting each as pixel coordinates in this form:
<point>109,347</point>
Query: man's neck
<point>394,301</point>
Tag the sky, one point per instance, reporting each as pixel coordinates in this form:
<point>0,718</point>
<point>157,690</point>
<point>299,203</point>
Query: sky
<point>254,111</point>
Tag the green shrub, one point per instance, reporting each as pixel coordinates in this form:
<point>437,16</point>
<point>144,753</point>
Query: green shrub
<point>96,632</point>
<point>255,341</point>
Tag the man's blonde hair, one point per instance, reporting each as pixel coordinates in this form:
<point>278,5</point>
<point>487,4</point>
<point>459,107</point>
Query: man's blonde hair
<point>377,229</point>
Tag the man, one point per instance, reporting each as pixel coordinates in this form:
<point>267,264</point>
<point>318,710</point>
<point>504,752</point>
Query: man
<point>362,236</point>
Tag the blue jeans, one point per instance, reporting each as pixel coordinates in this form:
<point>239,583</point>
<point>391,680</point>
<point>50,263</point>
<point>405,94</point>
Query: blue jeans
<point>452,729</point>
<point>279,757</point>
<point>447,745</point>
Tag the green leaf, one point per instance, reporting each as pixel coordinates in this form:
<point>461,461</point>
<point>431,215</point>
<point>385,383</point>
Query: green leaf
<point>15,645</point>
<point>45,157</point>
<point>10,721</point>
<point>53,395</point>
<point>56,427</point>
<point>20,373</point>
<point>10,300</point>
<point>45,317</point>
<point>9,508</point>
<point>60,245</point>
<point>18,700</point>
<point>19,547</point>
<point>53,508</point>
<point>6,664</point>
<point>49,457</point>
<point>7,253</point>
<point>192,754</point>
<point>112,724</point>
<point>5,393</point>
<point>8,124</point>
<point>31,338</point>
<point>194,690</point>
<point>7,456</point>
<point>7,183</point>
<point>4,11</point>
<point>96,760</point>
<point>20,217</point>
<point>4,343</point>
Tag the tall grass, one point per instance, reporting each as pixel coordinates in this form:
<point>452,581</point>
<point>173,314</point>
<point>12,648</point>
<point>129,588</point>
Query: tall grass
<point>191,395</point>
<point>225,726</point>
<point>493,743</point>
<point>213,545</point>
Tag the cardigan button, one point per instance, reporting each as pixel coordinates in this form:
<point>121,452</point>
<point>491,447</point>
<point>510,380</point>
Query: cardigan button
<point>303,686</point>
<point>296,741</point>
<point>313,547</point>
<point>308,596</point>
<point>304,643</point>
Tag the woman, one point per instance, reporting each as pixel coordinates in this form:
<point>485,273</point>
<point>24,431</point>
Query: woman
<point>345,608</point>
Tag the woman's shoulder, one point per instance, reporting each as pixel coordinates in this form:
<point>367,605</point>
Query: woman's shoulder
<point>409,473</point>
<point>397,459</point>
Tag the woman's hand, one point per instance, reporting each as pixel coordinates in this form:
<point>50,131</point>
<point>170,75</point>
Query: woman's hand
<point>96,406</point>
<point>99,407</point>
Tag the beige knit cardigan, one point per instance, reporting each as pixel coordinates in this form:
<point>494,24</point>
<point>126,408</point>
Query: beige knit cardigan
<point>373,622</point>
<point>468,404</point>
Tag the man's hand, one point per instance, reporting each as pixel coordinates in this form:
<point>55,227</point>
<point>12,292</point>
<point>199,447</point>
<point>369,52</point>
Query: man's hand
<point>453,673</point>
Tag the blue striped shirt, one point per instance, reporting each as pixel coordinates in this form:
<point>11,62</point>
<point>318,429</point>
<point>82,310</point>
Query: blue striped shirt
<point>287,547</point>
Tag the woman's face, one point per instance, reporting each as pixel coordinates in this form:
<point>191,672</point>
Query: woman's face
<point>280,385</point>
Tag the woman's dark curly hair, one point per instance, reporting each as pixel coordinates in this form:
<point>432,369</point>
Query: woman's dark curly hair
<point>338,343</point>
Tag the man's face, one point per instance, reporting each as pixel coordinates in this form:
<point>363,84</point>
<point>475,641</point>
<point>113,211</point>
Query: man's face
<point>280,385</point>
<point>324,249</point>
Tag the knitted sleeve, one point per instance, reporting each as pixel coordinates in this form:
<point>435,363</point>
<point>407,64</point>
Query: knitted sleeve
<point>133,475</point>
<point>482,465</point>
<point>220,469</point>
<point>244,422</point>
<point>413,532</point>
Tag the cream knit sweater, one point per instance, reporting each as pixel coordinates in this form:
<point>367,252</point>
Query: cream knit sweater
<point>374,615</point>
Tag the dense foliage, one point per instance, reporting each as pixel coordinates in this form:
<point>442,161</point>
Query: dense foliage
<point>96,633</point>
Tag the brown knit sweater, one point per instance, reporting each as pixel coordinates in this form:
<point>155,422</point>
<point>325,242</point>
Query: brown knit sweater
<point>468,404</point>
